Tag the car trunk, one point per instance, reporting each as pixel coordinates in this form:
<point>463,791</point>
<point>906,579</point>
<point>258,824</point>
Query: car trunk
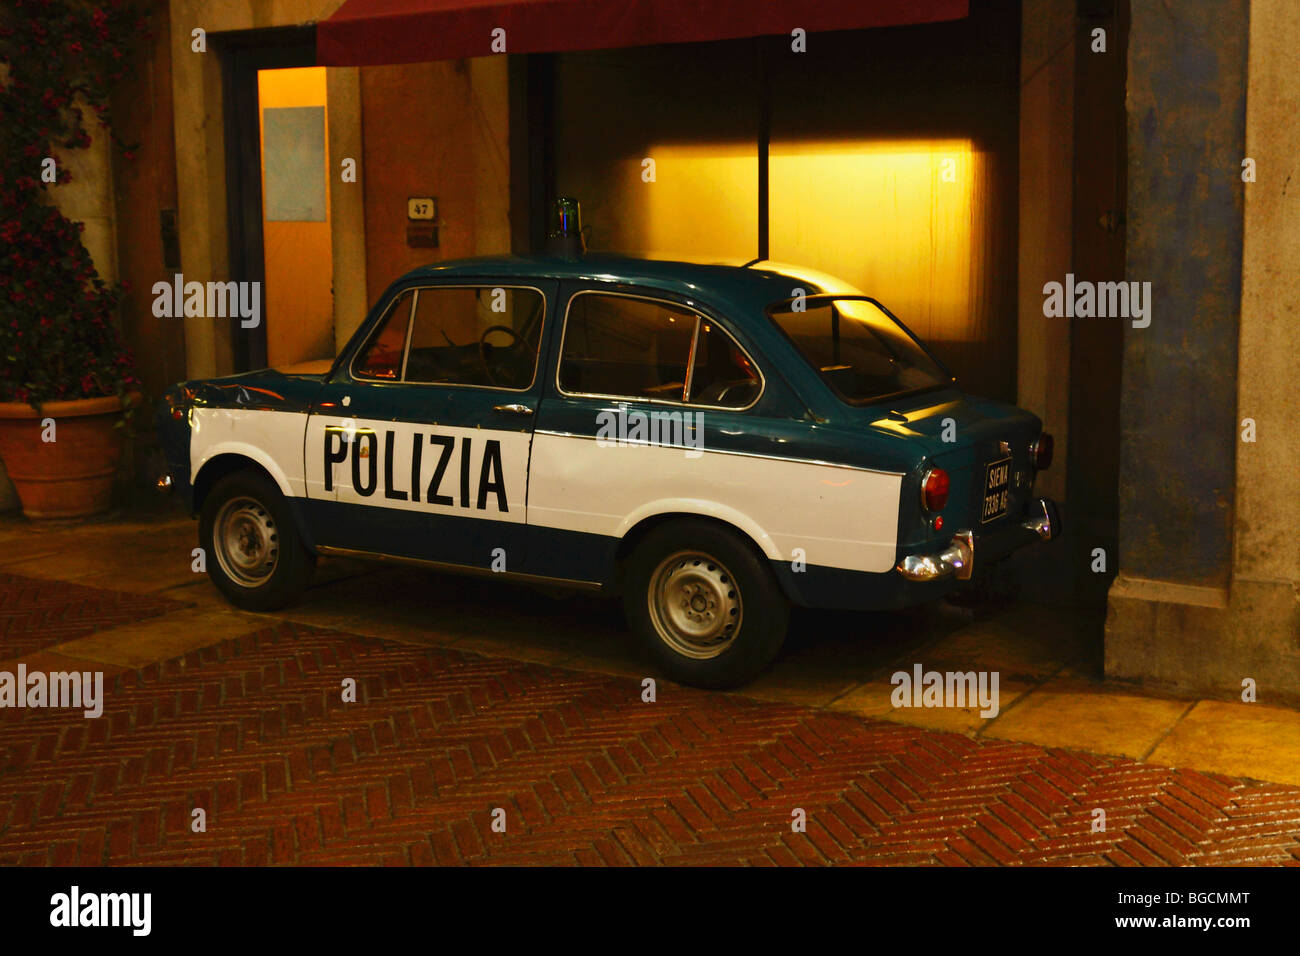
<point>983,445</point>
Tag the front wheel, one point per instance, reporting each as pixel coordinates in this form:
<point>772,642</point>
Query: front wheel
<point>254,554</point>
<point>705,605</point>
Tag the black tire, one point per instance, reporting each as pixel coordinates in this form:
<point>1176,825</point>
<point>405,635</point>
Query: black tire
<point>684,581</point>
<point>275,568</point>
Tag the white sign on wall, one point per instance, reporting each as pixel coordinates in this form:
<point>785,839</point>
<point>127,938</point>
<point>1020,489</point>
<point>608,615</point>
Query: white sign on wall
<point>422,207</point>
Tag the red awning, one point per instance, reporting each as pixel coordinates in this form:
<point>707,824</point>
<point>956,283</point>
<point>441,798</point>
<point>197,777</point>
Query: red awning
<point>366,32</point>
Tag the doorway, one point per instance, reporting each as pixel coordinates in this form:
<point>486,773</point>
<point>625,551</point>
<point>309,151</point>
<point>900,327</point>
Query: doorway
<point>277,193</point>
<point>296,251</point>
<point>1096,345</point>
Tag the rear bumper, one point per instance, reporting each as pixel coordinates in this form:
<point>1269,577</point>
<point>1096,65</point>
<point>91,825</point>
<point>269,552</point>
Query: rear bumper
<point>1040,523</point>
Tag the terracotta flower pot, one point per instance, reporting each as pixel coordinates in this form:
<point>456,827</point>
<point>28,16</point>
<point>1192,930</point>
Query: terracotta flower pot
<point>71,476</point>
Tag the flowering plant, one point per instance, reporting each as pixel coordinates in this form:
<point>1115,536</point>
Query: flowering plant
<point>58,335</point>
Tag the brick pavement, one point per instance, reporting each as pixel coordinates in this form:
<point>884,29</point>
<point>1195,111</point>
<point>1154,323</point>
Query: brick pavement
<point>255,731</point>
<point>35,613</point>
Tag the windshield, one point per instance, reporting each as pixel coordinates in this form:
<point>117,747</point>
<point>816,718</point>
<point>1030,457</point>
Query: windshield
<point>858,349</point>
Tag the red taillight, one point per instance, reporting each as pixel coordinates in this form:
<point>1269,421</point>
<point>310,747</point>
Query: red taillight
<point>1041,451</point>
<point>934,489</point>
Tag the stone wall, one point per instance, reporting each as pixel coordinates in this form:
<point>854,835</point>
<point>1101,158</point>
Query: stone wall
<point>1208,594</point>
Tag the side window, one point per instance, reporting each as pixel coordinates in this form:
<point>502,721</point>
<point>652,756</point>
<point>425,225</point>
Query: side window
<point>641,348</point>
<point>722,374</point>
<point>382,357</point>
<point>618,345</point>
<point>487,335</point>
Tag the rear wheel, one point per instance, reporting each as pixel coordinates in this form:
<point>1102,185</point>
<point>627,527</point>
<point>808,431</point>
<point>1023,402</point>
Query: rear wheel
<point>705,605</point>
<point>254,554</point>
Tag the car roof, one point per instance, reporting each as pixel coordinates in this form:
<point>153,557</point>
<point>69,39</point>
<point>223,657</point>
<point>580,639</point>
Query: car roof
<point>761,282</point>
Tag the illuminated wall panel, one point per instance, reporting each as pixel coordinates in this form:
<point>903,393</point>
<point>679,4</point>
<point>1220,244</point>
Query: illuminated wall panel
<point>297,299</point>
<point>899,219</point>
<point>701,206</point>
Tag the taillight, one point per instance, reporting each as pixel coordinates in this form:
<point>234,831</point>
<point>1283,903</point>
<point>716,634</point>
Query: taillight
<point>934,489</point>
<point>1040,452</point>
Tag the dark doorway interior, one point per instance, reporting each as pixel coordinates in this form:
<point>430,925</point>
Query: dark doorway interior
<point>1096,345</point>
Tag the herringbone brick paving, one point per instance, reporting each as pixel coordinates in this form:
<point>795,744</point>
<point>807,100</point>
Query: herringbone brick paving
<point>35,614</point>
<point>255,731</point>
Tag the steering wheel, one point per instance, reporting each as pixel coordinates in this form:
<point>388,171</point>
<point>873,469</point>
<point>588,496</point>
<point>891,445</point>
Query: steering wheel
<point>483,349</point>
<point>721,393</point>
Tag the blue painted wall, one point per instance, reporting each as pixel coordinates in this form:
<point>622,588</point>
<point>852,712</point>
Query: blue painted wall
<point>1186,135</point>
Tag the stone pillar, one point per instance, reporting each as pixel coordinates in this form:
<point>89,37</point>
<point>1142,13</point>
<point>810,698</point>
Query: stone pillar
<point>1046,201</point>
<point>1207,594</point>
<point>201,171</point>
<point>1046,219</point>
<point>1268,469</point>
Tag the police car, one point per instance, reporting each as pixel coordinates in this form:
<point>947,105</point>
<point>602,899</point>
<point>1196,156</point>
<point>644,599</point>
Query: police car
<point>714,443</point>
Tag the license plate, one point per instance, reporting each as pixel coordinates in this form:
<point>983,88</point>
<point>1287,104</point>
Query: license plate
<point>997,485</point>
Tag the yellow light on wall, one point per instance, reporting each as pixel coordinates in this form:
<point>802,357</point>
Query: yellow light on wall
<point>700,204</point>
<point>297,250</point>
<point>907,221</point>
<point>899,219</point>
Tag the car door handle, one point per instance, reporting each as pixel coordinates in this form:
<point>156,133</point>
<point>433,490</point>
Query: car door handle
<point>513,409</point>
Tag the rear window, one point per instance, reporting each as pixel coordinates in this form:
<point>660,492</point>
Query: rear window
<point>858,350</point>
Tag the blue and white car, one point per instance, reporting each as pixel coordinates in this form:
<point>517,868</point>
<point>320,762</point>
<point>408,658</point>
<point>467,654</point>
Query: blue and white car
<point>713,443</point>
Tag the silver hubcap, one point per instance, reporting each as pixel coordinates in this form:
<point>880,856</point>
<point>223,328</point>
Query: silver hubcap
<point>695,604</point>
<point>247,544</point>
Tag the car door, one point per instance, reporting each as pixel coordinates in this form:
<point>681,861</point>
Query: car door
<point>419,445</point>
<point>641,389</point>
